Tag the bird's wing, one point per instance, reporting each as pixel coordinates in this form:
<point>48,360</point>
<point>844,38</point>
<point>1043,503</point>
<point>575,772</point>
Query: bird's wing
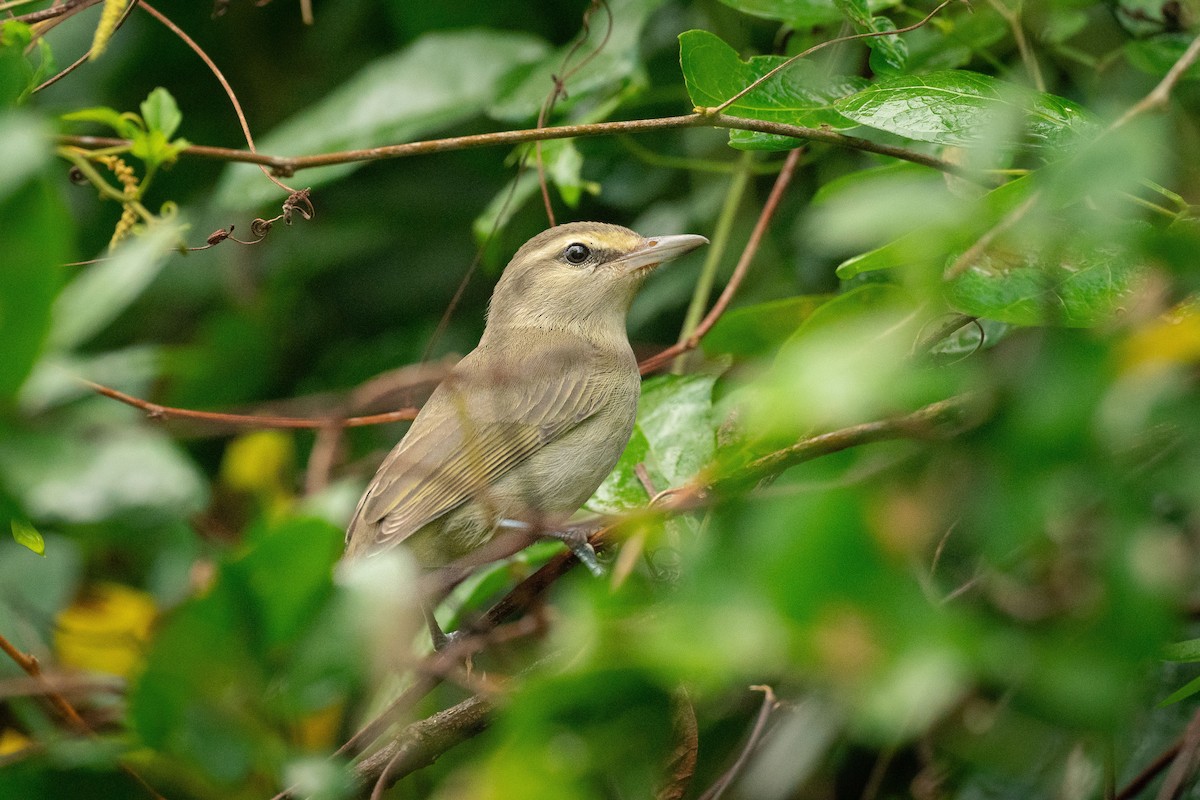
<point>472,430</point>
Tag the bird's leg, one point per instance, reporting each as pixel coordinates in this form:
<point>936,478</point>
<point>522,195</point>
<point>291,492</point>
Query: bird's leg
<point>574,537</point>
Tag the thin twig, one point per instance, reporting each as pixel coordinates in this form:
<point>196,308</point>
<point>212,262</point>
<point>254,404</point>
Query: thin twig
<point>739,272</point>
<point>156,411</point>
<point>769,704</point>
<point>287,165</point>
<point>776,70</point>
<point>208,62</point>
<point>33,669</point>
<point>1139,782</point>
<point>1160,94</point>
<point>79,61</point>
<point>1013,18</point>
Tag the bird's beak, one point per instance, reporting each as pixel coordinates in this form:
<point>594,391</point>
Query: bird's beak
<point>655,250</point>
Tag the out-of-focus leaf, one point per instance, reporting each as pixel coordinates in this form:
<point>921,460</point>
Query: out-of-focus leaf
<point>18,74</point>
<point>438,81</point>
<point>55,379</point>
<point>1080,290</point>
<point>1182,693</point>
<point>1156,56</point>
<point>803,94</point>
<point>613,58</point>
<point>98,295</point>
<point>798,13</point>
<point>957,107</point>
<point>33,590</point>
<point>1188,650</point>
<point>109,472</point>
<point>673,438</point>
<point>932,242</point>
<point>28,537</point>
<point>229,673</point>
<point>755,330</point>
<point>35,245</point>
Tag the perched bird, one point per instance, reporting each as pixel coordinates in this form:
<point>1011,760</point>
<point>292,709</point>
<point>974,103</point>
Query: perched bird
<point>529,423</point>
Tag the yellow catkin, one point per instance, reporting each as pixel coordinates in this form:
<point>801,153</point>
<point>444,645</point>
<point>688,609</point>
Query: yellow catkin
<point>129,182</point>
<point>109,17</point>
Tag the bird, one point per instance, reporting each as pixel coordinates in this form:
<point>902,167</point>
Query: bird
<point>526,426</point>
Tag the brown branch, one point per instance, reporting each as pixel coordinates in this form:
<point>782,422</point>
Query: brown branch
<point>83,58</point>
<point>1139,782</point>
<point>422,743</point>
<point>33,669</point>
<point>475,635</point>
<point>739,272</point>
<point>69,8</point>
<point>286,165</point>
<point>1160,94</point>
<point>156,411</point>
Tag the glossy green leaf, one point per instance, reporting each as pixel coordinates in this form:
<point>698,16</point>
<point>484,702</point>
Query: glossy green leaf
<point>798,13</point>
<point>673,439</point>
<point>102,291</point>
<point>756,330</point>
<point>438,81</point>
<point>612,59</point>
<point>803,94</point>
<point>37,241</point>
<point>1078,290</point>
<point>888,53</point>
<point>957,107</point>
<point>28,537</point>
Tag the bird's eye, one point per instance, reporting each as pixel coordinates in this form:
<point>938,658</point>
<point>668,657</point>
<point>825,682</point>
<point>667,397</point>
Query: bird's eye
<point>577,253</point>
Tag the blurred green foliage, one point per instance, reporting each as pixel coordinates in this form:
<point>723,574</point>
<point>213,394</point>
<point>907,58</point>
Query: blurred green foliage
<point>1000,609</point>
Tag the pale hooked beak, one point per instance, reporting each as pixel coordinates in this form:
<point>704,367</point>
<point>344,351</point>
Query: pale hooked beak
<point>655,250</point>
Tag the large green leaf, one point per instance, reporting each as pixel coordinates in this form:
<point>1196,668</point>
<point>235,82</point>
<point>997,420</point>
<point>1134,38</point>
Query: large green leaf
<point>803,94</point>
<point>606,60</point>
<point>798,13</point>
<point>35,246</point>
<point>673,438</point>
<point>1078,289</point>
<point>102,291</point>
<point>440,80</point>
<point>958,107</point>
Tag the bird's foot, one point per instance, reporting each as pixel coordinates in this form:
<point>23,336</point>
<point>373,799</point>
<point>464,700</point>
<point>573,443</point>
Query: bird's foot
<point>574,537</point>
<point>576,540</point>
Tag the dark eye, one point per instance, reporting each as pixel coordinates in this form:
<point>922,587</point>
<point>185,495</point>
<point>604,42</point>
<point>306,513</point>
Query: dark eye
<point>577,253</point>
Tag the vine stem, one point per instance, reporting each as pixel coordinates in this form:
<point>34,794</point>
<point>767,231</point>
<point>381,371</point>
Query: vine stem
<point>716,251</point>
<point>739,272</point>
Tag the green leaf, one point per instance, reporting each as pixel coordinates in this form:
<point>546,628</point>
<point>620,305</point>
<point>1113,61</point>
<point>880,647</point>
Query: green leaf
<point>1078,289</point>
<point>161,113</point>
<point>888,53</point>
<point>957,107</point>
<point>613,59</point>
<point>28,536</point>
<point>440,80</point>
<point>798,13</point>
<point>673,438</point>
<point>124,125</point>
<point>1156,56</point>
<point>1182,693</point>
<point>37,241</point>
<point>758,329</point>
<point>929,244</point>
<point>1188,650</point>
<point>99,294</point>
<point>802,94</point>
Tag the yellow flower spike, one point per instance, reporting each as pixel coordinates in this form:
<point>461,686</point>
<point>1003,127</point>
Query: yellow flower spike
<point>1169,340</point>
<point>105,630</point>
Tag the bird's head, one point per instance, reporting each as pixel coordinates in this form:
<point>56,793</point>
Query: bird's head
<point>580,275</point>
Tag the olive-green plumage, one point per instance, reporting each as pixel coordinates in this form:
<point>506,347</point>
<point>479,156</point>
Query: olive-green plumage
<point>529,423</point>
